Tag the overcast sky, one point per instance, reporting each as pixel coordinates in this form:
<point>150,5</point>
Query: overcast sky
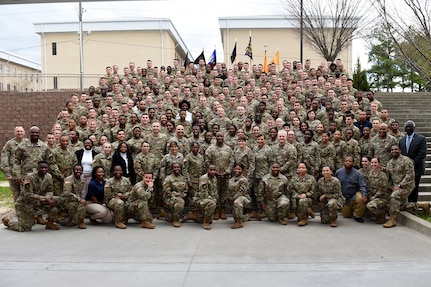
<point>195,20</point>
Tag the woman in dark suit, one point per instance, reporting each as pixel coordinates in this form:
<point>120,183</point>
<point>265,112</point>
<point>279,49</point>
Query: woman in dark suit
<point>123,157</point>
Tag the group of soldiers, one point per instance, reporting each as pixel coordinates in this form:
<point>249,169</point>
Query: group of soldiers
<point>208,138</point>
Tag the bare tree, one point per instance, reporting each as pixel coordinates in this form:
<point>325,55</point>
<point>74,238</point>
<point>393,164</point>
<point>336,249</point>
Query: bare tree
<point>328,26</point>
<point>410,21</point>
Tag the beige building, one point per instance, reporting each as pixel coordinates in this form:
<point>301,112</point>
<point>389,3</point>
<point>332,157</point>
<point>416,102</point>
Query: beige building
<point>18,73</point>
<point>105,43</point>
<point>270,33</point>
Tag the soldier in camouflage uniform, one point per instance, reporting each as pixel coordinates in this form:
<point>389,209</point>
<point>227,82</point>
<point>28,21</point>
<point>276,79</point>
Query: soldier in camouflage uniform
<point>8,158</point>
<point>27,155</point>
<point>117,190</point>
<point>380,145</point>
<point>352,147</point>
<point>329,194</point>
<point>239,193</point>
<point>327,151</point>
<point>303,188</point>
<point>221,156</point>
<point>192,171</point>
<point>139,197</point>
<point>263,156</point>
<point>243,154</point>
<point>62,160</point>
<point>174,192</point>
<point>285,154</point>
<point>168,159</point>
<point>401,174</point>
<point>206,197</point>
<point>36,194</point>
<point>104,159</point>
<point>72,200</point>
<point>377,185</point>
<point>310,154</point>
<point>274,197</point>
<point>135,142</point>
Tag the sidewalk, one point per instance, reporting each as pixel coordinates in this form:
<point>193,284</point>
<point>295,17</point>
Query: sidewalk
<point>260,254</point>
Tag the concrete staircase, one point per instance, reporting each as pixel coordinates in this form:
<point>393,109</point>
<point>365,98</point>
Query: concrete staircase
<point>416,107</point>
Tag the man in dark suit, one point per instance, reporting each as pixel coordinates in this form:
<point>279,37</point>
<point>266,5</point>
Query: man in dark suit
<point>414,146</point>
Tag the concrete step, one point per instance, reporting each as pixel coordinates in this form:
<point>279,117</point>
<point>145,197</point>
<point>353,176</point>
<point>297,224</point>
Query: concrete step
<point>424,195</point>
<point>425,179</point>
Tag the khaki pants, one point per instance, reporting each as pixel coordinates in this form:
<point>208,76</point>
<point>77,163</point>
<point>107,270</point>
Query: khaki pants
<point>355,207</point>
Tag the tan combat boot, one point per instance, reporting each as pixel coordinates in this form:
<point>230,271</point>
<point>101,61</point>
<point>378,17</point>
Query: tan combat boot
<point>40,220</point>
<point>191,215</point>
<point>161,214</point>
<point>310,212</point>
<point>380,219</point>
<point>81,224</point>
<point>223,213</point>
<point>291,215</point>
<point>206,225</point>
<point>303,220</point>
<point>392,222</point>
<point>255,215</point>
<point>51,225</point>
<point>176,221</point>
<point>282,221</point>
<point>120,224</point>
<point>147,224</point>
<point>261,213</point>
<point>216,213</point>
<point>237,224</point>
<point>425,207</point>
<point>334,222</point>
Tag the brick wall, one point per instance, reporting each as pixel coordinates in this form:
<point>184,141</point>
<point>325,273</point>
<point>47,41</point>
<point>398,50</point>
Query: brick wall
<point>29,109</point>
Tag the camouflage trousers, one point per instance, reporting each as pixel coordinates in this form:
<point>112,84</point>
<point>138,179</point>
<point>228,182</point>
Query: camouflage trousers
<point>303,204</point>
<point>277,208</point>
<point>398,200</point>
<point>239,204</point>
<point>26,212</point>
<point>175,206</point>
<point>377,206</point>
<point>119,208</point>
<point>329,210</point>
<point>222,187</point>
<point>206,206</point>
<point>139,211</point>
<point>75,210</point>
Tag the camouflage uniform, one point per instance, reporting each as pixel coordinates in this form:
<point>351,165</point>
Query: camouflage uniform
<point>167,161</point>
<point>71,199</point>
<point>27,155</point>
<point>401,173</point>
<point>365,146</point>
<point>7,161</point>
<point>104,161</point>
<point>114,188</point>
<point>377,186</point>
<point>205,198</point>
<point>333,198</point>
<point>340,153</point>
<point>263,157</point>
<point>174,191</point>
<point>28,204</point>
<point>192,171</point>
<point>157,144</point>
<point>381,148</point>
<point>60,166</point>
<point>311,157</point>
<point>146,162</point>
<point>286,156</point>
<point>246,157</point>
<point>354,150</point>
<point>327,155</point>
<point>135,146</point>
<point>274,194</point>
<point>239,194</point>
<point>222,158</point>
<point>137,202</point>
<point>303,185</point>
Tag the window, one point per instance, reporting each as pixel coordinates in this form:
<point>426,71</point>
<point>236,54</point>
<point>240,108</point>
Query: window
<point>1,69</point>
<point>55,83</point>
<point>54,48</point>
<point>14,72</point>
<point>25,75</point>
<point>20,74</point>
<point>7,71</point>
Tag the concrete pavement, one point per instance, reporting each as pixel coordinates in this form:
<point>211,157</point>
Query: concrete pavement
<point>260,254</point>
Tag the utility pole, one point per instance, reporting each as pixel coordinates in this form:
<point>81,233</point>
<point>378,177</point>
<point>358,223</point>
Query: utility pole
<point>81,50</point>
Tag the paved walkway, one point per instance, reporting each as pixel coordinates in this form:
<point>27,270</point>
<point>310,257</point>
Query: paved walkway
<point>260,254</point>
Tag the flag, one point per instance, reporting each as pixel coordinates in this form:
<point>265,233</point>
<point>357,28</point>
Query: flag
<point>187,60</point>
<point>248,50</point>
<point>276,59</point>
<point>201,56</point>
<point>233,55</point>
<point>265,64</point>
<point>213,59</point>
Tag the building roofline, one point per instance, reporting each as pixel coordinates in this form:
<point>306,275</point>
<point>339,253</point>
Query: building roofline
<point>17,59</point>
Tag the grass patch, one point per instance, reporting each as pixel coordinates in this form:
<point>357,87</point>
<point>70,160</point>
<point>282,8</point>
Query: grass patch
<point>424,217</point>
<point>2,176</point>
<point>6,198</point>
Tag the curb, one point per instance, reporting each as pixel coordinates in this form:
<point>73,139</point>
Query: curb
<point>413,222</point>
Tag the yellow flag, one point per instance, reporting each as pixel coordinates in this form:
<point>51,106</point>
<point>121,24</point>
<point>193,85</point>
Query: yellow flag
<point>265,64</point>
<point>276,59</point>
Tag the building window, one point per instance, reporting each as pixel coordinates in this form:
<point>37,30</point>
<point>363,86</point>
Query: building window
<point>8,87</point>
<point>20,74</point>
<point>1,69</point>
<point>54,48</point>
<point>25,75</point>
<point>55,83</point>
<point>14,72</point>
<point>7,71</point>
